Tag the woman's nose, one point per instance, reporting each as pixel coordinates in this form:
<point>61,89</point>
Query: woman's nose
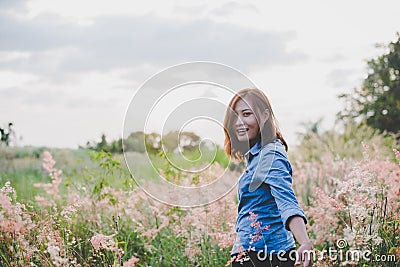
<point>239,121</point>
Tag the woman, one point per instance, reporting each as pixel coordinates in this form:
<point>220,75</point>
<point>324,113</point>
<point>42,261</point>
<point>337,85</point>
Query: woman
<point>268,212</point>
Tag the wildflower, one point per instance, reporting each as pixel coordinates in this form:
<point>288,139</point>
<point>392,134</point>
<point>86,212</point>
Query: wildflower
<point>365,150</point>
<point>54,252</point>
<point>225,240</point>
<point>48,165</point>
<point>68,211</point>
<point>131,262</point>
<point>8,189</point>
<point>100,241</point>
<point>44,202</point>
<point>192,250</point>
<point>229,262</point>
<point>257,236</point>
<point>397,154</point>
<point>152,233</point>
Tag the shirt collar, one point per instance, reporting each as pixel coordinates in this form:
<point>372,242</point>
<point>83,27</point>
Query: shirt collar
<point>253,150</point>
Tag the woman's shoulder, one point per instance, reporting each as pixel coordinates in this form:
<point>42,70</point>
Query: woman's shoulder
<point>272,163</point>
<point>273,155</point>
<point>274,147</point>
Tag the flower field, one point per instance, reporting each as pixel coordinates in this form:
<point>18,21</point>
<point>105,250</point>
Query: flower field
<point>97,216</point>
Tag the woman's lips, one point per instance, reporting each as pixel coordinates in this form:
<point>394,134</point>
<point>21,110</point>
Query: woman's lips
<point>242,131</point>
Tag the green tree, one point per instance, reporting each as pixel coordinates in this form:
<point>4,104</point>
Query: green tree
<point>377,102</point>
<point>5,134</point>
<point>152,142</point>
<point>135,142</point>
<point>170,141</point>
<point>102,145</point>
<point>116,146</point>
<point>185,140</point>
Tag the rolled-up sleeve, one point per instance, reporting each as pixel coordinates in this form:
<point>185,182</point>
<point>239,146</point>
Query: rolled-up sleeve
<point>275,170</point>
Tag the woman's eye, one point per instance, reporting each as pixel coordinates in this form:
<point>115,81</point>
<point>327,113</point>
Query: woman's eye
<point>246,114</point>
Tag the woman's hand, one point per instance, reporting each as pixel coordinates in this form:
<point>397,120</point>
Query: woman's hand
<point>304,252</point>
<point>304,255</point>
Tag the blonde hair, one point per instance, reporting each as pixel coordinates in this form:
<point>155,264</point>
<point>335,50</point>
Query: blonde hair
<point>259,103</point>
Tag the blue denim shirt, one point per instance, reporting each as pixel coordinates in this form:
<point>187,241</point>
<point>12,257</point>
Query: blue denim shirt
<point>266,201</point>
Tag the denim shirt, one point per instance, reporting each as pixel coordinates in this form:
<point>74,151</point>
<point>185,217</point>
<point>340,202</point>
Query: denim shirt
<point>266,201</point>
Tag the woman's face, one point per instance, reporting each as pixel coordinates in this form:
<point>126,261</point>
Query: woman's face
<point>246,125</point>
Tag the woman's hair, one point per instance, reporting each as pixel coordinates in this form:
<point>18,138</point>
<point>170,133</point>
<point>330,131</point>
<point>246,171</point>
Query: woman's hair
<point>258,102</point>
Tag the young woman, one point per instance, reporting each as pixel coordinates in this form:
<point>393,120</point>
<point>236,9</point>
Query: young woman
<point>268,212</point>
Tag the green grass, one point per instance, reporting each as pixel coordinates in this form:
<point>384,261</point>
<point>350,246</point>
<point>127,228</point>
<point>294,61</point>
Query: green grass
<point>109,212</point>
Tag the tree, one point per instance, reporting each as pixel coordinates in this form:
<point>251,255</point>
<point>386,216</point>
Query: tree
<point>102,145</point>
<point>152,142</point>
<point>5,134</point>
<point>184,140</point>
<point>377,102</point>
<point>135,142</point>
<point>116,146</point>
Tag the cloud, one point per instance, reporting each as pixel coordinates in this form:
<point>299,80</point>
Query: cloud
<point>339,57</point>
<point>232,6</point>
<point>64,61</point>
<point>13,5</point>
<point>36,34</point>
<point>190,9</point>
<point>60,46</point>
<point>28,97</point>
<point>342,78</point>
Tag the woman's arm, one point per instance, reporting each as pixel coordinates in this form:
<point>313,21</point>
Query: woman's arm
<point>304,253</point>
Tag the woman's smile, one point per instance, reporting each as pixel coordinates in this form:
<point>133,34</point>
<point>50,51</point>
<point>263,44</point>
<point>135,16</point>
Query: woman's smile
<point>242,131</point>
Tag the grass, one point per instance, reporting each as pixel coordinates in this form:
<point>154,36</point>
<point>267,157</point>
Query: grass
<point>98,197</point>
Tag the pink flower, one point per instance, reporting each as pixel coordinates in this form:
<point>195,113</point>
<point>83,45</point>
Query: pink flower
<point>225,240</point>
<point>257,236</point>
<point>100,241</point>
<point>397,154</point>
<point>48,165</point>
<point>131,262</point>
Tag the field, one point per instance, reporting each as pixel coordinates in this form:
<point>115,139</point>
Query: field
<point>82,208</point>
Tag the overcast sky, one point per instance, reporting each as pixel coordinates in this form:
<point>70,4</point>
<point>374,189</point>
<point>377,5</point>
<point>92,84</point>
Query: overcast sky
<point>69,69</point>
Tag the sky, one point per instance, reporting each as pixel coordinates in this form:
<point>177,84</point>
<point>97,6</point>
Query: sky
<point>70,69</point>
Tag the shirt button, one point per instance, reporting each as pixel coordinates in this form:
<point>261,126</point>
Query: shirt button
<point>247,171</point>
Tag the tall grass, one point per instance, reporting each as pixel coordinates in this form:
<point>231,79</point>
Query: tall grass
<point>93,214</point>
